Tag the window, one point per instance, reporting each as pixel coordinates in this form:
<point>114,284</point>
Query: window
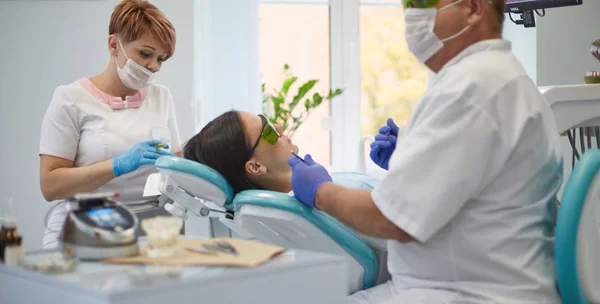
<point>356,45</point>
<point>392,79</point>
<point>298,35</point>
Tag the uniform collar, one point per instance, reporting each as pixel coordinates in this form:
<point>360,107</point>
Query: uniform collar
<point>114,102</point>
<point>481,46</point>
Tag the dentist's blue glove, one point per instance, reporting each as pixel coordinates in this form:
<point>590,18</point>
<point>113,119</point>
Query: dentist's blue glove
<point>384,144</point>
<point>143,153</point>
<point>307,176</point>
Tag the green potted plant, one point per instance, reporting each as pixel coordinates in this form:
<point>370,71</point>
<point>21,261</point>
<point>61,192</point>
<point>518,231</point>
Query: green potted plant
<point>281,107</point>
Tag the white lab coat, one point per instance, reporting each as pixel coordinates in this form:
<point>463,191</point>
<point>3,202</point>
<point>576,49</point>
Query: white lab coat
<point>80,126</point>
<point>474,182</point>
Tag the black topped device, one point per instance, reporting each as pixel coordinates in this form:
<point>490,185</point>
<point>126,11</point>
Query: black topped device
<point>526,8</point>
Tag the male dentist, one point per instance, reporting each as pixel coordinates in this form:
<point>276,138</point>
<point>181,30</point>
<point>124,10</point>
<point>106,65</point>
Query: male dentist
<point>469,196</point>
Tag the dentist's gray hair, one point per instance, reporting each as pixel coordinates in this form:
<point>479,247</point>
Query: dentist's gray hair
<point>498,7</point>
<point>497,10</point>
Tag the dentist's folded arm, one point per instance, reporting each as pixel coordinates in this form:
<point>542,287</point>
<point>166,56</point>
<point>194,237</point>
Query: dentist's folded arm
<point>356,209</point>
<point>313,186</point>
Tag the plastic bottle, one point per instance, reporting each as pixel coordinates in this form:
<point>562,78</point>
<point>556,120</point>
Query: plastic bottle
<point>2,242</point>
<point>8,222</point>
<point>13,251</point>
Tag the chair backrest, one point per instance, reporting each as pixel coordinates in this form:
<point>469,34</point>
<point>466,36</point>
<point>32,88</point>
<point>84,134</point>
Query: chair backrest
<point>577,242</point>
<point>345,237</point>
<point>354,244</point>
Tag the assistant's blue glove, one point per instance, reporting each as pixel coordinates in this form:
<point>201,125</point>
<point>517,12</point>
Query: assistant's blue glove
<point>307,176</point>
<point>143,153</point>
<point>384,144</point>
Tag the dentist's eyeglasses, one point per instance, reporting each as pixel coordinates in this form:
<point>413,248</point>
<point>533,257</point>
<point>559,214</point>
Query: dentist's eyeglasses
<point>427,3</point>
<point>420,3</point>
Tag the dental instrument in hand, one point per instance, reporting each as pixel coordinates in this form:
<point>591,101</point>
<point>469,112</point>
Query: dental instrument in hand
<point>300,158</point>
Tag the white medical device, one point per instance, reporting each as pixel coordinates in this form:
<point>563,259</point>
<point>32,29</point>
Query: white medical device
<point>97,226</point>
<point>576,109</point>
<point>574,106</point>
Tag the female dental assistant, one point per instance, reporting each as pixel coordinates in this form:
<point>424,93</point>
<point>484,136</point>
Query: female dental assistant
<point>97,132</point>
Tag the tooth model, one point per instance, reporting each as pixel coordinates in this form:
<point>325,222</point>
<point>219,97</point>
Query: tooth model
<point>162,232</point>
<point>593,77</point>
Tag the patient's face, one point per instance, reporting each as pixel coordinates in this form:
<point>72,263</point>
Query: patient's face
<point>273,157</point>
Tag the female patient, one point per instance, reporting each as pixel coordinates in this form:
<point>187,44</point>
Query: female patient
<point>246,149</point>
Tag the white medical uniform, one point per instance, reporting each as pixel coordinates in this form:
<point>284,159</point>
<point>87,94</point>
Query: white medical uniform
<point>81,126</point>
<point>474,183</point>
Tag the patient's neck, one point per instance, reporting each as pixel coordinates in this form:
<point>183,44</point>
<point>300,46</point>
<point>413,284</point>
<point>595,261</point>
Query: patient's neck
<point>280,182</point>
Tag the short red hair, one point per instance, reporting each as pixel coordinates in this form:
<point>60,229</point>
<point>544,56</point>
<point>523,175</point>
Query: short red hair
<point>132,19</point>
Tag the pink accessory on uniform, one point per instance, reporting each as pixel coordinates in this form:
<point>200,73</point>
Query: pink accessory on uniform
<point>114,102</point>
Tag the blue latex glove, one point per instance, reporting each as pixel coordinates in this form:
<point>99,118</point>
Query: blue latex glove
<point>384,144</point>
<point>143,153</point>
<point>307,176</point>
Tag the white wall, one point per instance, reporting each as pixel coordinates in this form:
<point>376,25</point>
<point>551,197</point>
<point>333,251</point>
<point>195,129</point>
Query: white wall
<point>50,43</point>
<point>524,44</point>
<point>226,57</point>
<point>564,39</point>
<point>556,52</point>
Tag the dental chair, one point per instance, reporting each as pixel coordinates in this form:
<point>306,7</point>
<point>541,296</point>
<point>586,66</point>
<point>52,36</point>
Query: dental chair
<point>577,240</point>
<point>272,217</point>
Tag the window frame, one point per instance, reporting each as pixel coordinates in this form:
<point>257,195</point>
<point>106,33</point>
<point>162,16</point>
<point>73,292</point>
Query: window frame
<point>345,73</point>
<point>344,45</point>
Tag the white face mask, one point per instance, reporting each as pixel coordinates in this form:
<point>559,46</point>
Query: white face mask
<point>421,39</point>
<point>133,75</point>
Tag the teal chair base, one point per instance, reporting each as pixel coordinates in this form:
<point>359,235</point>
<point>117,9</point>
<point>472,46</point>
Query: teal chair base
<point>577,242</point>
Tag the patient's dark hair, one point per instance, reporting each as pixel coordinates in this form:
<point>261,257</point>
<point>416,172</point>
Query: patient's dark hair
<point>221,145</point>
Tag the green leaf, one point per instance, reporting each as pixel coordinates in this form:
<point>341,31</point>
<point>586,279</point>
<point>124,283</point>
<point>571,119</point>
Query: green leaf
<point>281,109</point>
<point>277,101</point>
<point>317,99</point>
<point>305,88</point>
<point>335,93</point>
<point>287,84</point>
